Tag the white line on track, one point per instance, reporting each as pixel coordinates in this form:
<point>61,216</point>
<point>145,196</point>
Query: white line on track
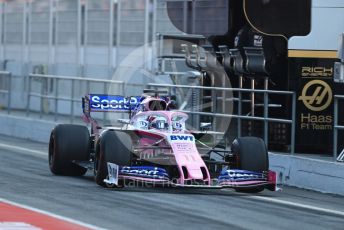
<point>52,215</point>
<point>21,149</point>
<point>298,205</point>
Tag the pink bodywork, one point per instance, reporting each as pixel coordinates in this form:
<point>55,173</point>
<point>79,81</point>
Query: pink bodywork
<point>182,150</point>
<point>185,151</point>
<point>187,156</point>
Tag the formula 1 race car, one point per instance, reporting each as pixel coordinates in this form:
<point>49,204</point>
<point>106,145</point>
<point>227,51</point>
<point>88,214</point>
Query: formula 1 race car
<point>155,147</point>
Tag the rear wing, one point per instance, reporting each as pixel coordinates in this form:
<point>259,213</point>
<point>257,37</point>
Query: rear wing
<point>109,103</point>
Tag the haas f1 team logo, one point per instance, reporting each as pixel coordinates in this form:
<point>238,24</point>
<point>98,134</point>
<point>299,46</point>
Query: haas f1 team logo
<point>316,95</point>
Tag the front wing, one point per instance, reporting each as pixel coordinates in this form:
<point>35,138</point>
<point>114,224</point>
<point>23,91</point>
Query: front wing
<point>233,178</point>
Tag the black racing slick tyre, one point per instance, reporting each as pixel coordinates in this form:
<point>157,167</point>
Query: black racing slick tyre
<point>114,147</point>
<point>252,156</point>
<point>68,143</point>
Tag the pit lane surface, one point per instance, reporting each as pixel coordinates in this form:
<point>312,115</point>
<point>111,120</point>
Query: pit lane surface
<point>25,179</point>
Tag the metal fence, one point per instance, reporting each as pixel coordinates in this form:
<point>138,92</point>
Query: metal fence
<point>5,90</point>
<point>60,96</point>
<point>336,129</point>
<point>79,37</point>
<point>265,118</point>
<point>98,37</point>
<point>51,97</point>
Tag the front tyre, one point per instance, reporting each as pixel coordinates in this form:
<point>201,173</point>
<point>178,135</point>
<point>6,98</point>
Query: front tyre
<point>252,156</point>
<point>114,147</point>
<point>68,143</point>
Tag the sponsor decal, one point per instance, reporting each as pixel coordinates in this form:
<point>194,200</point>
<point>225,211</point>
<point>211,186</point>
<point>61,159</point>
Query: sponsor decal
<point>316,72</point>
<point>177,125</point>
<point>86,105</point>
<point>181,138</point>
<point>312,79</point>
<point>143,124</point>
<point>184,148</point>
<point>316,95</point>
<point>144,171</point>
<point>113,173</point>
<point>315,122</point>
<point>257,40</point>
<point>239,175</point>
<point>112,103</point>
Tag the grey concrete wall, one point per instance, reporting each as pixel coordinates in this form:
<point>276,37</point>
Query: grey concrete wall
<point>319,175</point>
<point>27,128</point>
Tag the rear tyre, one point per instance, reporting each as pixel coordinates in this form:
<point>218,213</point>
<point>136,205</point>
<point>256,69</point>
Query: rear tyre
<point>68,143</point>
<point>252,156</point>
<point>114,147</point>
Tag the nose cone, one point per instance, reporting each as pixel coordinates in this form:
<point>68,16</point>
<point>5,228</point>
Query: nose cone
<point>188,158</point>
<point>194,173</point>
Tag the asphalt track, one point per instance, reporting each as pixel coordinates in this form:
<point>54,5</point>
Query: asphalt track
<point>25,179</point>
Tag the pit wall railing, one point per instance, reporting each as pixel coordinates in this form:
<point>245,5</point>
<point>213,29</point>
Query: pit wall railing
<point>59,97</point>
<point>239,100</point>
<point>50,97</point>
<point>5,90</point>
<point>336,129</point>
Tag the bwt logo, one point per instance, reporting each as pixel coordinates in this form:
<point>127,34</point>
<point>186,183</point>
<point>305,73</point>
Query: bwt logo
<point>181,138</point>
<point>105,102</point>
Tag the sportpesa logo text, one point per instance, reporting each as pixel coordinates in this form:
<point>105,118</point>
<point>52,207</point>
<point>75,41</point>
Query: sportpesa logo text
<point>112,103</point>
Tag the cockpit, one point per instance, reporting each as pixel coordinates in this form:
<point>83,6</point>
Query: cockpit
<point>158,122</point>
<point>162,121</point>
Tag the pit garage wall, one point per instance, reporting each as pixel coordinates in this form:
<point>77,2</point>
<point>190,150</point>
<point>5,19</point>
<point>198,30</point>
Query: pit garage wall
<point>311,62</point>
<point>311,77</point>
<point>307,173</point>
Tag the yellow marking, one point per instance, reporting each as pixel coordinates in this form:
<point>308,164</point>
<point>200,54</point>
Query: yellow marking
<point>262,32</point>
<point>318,96</point>
<point>312,53</point>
